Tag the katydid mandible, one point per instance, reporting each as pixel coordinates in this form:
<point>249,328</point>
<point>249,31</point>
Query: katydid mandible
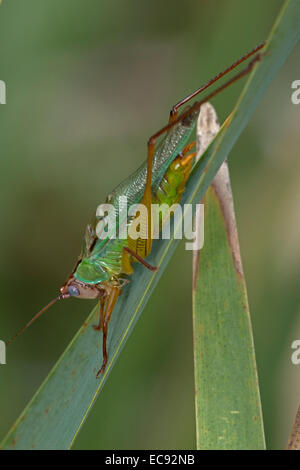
<point>105,264</point>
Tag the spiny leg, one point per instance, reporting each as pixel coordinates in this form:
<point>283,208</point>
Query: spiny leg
<point>143,245</point>
<point>175,119</point>
<point>146,244</point>
<point>111,301</point>
<point>196,106</point>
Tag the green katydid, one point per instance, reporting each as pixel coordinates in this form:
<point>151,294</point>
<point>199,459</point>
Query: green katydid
<point>105,264</point>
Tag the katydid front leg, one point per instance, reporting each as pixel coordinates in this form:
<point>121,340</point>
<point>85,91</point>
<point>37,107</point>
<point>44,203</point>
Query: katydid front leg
<point>110,303</point>
<point>101,315</point>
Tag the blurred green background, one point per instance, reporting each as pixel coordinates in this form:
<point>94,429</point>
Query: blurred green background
<point>87,84</point>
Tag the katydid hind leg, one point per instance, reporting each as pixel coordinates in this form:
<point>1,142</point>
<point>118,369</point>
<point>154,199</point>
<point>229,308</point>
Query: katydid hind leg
<point>174,109</point>
<point>197,104</point>
<point>143,246</point>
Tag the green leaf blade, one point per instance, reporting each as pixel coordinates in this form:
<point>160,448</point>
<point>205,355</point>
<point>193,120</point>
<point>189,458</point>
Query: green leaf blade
<point>228,408</point>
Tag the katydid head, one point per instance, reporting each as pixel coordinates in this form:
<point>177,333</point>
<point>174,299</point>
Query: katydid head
<point>75,288</point>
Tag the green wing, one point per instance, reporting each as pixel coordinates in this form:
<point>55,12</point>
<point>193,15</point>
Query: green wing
<point>133,187</point>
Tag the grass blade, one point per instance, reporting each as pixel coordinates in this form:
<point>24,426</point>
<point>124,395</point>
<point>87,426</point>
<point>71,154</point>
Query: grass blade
<point>228,408</point>
<point>57,411</point>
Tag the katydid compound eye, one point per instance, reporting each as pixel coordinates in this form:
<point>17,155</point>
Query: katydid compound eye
<point>73,291</point>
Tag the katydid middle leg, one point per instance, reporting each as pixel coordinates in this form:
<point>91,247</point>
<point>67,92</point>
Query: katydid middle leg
<point>127,253</point>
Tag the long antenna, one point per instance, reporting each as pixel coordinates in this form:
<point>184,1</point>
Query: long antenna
<point>34,318</point>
